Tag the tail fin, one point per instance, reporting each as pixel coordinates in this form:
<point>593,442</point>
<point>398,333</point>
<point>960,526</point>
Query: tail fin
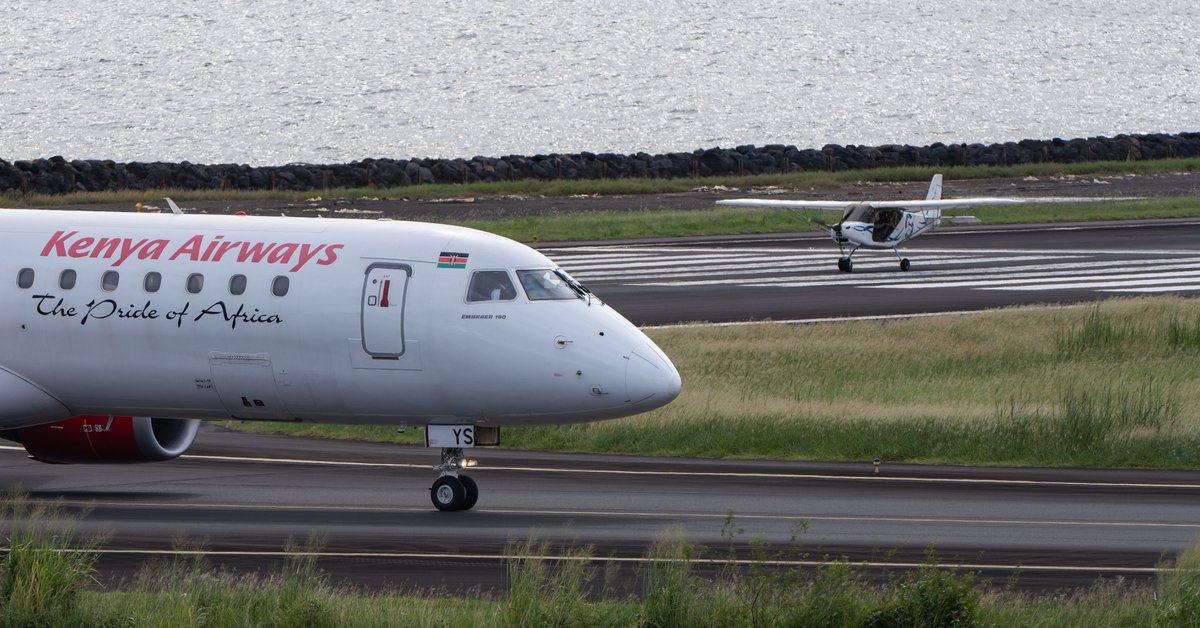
<point>935,188</point>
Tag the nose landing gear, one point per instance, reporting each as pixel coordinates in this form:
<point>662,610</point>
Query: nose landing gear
<point>453,491</point>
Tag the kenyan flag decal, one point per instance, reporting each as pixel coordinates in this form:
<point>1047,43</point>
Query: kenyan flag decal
<point>452,260</point>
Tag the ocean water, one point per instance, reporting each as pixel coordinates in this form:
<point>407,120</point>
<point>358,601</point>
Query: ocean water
<point>274,81</point>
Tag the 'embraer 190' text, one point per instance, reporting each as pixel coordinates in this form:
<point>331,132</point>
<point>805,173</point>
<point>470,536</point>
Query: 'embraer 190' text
<point>198,248</point>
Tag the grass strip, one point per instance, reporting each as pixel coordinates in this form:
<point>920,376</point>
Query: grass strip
<point>567,587</point>
<point>641,221</point>
<point>610,187</point>
<point>611,225</point>
<point>1112,384</point>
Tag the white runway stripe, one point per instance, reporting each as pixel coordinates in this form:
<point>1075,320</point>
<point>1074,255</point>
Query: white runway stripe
<point>895,279</point>
<point>652,266</point>
<point>766,266</point>
<point>1075,278</point>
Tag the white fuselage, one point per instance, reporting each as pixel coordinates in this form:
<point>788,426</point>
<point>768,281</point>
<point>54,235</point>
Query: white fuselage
<point>339,321</point>
<point>875,235</point>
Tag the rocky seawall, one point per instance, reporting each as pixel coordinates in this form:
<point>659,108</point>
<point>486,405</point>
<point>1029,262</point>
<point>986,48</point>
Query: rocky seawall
<point>56,175</point>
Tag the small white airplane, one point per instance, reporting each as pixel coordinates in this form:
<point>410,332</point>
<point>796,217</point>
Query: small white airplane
<point>126,330</point>
<point>887,224</point>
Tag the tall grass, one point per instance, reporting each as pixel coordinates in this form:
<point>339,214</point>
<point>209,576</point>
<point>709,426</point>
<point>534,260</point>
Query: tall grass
<point>46,561</point>
<point>1178,599</point>
<point>1117,384</point>
<point>546,590</point>
<point>1109,385</point>
<point>188,591</point>
<point>557,588</point>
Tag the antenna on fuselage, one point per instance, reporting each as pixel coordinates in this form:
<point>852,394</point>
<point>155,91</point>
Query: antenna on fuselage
<point>174,208</point>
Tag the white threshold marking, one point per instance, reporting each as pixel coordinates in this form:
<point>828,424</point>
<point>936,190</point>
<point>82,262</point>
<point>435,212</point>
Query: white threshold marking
<point>823,268</point>
<point>817,236</point>
<point>922,277</point>
<point>827,279</point>
<point>720,474</point>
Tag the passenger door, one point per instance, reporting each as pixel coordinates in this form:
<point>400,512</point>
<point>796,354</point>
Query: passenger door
<point>383,298</point>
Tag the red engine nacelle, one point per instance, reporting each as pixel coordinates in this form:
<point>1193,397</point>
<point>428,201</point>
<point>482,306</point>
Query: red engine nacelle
<point>91,438</point>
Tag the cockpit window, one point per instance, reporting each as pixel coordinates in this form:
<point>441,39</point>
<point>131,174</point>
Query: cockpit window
<point>491,285</point>
<point>860,213</point>
<point>546,284</point>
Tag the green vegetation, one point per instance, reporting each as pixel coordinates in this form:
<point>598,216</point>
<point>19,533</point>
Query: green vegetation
<point>609,187</point>
<point>47,580</point>
<point>610,225</point>
<point>45,564</point>
<point>641,221</point>
<point>1113,384</point>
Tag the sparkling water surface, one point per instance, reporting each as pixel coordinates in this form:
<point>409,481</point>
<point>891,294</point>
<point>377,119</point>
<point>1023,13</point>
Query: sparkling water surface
<point>273,81</point>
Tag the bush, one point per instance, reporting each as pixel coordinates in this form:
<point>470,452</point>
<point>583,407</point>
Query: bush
<point>931,596</point>
<point>836,597</point>
<point>1178,599</point>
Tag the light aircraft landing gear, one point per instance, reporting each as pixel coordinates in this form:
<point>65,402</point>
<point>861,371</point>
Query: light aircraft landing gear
<point>846,263</point>
<point>904,265</point>
<point>453,491</point>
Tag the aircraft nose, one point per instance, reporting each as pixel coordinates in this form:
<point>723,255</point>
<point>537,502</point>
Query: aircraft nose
<point>856,232</point>
<point>651,380</point>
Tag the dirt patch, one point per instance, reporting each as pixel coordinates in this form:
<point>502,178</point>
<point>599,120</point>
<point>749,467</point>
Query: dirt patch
<point>1138,185</point>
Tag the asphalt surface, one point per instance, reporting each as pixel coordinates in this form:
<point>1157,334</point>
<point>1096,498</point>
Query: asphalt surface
<point>794,277</point>
<point>242,496</point>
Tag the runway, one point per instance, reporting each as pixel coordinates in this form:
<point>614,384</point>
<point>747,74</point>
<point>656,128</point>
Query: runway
<point>247,494</point>
<point>794,277</point>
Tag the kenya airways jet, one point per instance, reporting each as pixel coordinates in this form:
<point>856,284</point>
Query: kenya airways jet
<point>126,330</point>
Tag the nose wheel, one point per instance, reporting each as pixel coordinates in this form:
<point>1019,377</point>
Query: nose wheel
<point>453,491</point>
<point>845,264</point>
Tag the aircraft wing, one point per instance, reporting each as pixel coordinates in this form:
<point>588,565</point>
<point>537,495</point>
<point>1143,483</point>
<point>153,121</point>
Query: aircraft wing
<point>922,204</point>
<point>780,204</point>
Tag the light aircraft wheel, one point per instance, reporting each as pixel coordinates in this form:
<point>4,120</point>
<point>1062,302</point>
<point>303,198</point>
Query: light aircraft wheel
<point>845,265</point>
<point>904,265</point>
<point>448,493</point>
<point>472,492</point>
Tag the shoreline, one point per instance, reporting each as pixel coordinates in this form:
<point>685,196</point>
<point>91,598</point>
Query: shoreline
<point>56,175</point>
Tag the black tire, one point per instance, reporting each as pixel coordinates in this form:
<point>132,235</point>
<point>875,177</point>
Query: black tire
<point>472,492</point>
<point>905,265</point>
<point>849,265</point>
<point>844,264</point>
<point>448,493</point>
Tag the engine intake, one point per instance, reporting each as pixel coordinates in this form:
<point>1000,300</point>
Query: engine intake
<point>92,438</point>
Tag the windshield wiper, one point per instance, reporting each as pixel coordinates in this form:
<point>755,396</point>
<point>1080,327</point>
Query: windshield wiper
<point>580,290</point>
